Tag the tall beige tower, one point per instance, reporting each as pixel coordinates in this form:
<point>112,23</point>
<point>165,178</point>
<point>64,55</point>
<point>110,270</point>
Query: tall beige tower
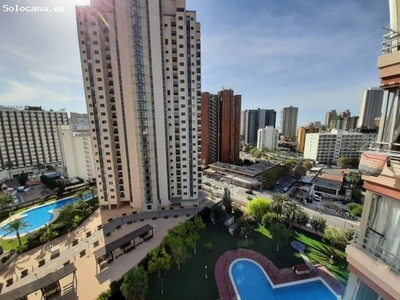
<point>141,70</point>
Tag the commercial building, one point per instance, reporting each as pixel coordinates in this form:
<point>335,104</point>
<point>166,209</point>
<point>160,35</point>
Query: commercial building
<point>329,147</point>
<point>289,121</point>
<point>77,153</point>
<point>141,65</point>
<point>374,255</point>
<point>220,130</point>
<point>268,138</point>
<point>29,137</point>
<point>301,135</point>
<point>255,119</point>
<point>370,107</point>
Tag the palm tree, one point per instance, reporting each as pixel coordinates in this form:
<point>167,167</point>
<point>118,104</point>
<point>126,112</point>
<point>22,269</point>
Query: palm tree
<point>69,211</point>
<point>5,200</point>
<point>292,211</point>
<point>9,166</point>
<point>16,226</point>
<point>278,202</point>
<point>79,195</point>
<point>92,191</point>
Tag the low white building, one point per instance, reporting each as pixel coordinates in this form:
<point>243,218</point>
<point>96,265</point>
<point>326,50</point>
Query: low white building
<point>330,146</point>
<point>77,153</point>
<point>267,138</point>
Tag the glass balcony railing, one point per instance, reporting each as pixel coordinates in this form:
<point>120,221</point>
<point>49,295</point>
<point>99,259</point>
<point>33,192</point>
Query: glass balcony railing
<point>377,252</point>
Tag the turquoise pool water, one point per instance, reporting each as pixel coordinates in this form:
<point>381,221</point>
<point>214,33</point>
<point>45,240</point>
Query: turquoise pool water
<point>41,215</point>
<point>251,282</point>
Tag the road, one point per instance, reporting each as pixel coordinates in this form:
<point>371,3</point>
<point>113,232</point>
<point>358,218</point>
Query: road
<point>238,194</point>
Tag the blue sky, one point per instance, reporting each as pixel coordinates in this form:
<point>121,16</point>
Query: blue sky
<point>315,54</point>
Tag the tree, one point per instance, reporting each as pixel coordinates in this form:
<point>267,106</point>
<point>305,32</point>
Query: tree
<point>342,162</point>
<point>303,218</point>
<point>194,227</point>
<point>48,233</point>
<point>271,218</point>
<point>5,200</point>
<point>69,211</point>
<point>268,178</point>
<point>92,191</point>
<point>22,178</point>
<point>292,211</point>
<point>9,165</point>
<point>318,224</point>
<point>218,215</point>
<point>16,226</point>
<point>299,172</point>
<point>353,178</point>
<point>227,201</point>
<point>135,283</point>
<point>307,164</point>
<point>79,195</point>
<point>178,249</point>
<point>278,202</point>
<point>336,237</point>
<point>160,260</point>
<point>259,207</point>
<point>280,234</point>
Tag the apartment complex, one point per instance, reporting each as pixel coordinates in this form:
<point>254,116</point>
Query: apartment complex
<point>329,147</point>
<point>289,120</point>
<point>141,65</point>
<point>77,153</point>
<point>370,107</point>
<point>220,130</point>
<point>374,255</point>
<point>29,137</point>
<point>255,119</point>
<point>344,123</point>
<point>301,135</point>
<point>268,138</point>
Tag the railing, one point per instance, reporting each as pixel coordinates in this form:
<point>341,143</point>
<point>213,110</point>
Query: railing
<point>391,42</point>
<point>384,147</point>
<point>377,252</point>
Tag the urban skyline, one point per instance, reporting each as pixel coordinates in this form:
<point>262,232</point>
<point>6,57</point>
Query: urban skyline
<point>34,75</point>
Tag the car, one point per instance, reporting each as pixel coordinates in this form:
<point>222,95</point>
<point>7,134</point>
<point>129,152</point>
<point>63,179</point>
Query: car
<point>250,192</point>
<point>317,198</point>
<point>278,182</point>
<point>285,189</point>
<point>207,183</point>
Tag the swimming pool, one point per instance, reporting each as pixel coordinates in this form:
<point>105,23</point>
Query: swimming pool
<point>251,282</point>
<point>39,216</point>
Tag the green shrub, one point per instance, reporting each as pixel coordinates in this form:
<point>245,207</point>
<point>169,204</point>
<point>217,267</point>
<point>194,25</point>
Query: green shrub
<point>270,218</point>
<point>208,246</point>
<point>355,209</point>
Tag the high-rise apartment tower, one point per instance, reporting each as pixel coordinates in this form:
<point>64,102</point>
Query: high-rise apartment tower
<point>141,65</point>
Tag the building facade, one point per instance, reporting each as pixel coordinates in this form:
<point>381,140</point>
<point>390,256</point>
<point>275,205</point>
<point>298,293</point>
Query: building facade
<point>329,147</point>
<point>328,118</point>
<point>301,136</point>
<point>77,154</point>
<point>220,131</point>
<point>370,107</point>
<point>255,119</point>
<point>374,255</point>
<point>268,138</point>
<point>141,65</point>
<point>29,138</point>
<point>289,120</point>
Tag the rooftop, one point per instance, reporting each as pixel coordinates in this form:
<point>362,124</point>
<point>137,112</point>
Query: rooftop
<point>326,183</point>
<point>251,171</point>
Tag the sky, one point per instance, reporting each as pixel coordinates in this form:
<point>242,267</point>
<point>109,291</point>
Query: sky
<point>316,55</point>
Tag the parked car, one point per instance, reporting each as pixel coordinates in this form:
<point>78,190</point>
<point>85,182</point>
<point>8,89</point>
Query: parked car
<point>285,189</point>
<point>317,198</point>
<point>250,192</point>
<point>278,182</point>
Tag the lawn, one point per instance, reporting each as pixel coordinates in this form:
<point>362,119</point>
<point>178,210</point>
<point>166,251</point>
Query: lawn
<point>9,244</point>
<point>190,281</point>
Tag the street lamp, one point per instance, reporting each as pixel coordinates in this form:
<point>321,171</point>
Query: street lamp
<point>205,272</point>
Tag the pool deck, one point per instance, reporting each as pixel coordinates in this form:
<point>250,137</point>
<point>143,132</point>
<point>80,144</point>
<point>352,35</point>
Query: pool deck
<point>277,276</point>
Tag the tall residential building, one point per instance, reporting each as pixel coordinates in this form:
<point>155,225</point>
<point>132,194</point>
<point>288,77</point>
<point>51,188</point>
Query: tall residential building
<point>220,131</point>
<point>141,65</point>
<point>374,256</point>
<point>242,123</point>
<point>268,138</point>
<point>301,135</point>
<point>345,114</point>
<point>344,123</point>
<point>328,117</point>
<point>256,119</point>
<point>29,137</point>
<point>77,118</point>
<point>370,107</point>
<point>77,154</point>
<point>289,120</point>
<point>329,147</point>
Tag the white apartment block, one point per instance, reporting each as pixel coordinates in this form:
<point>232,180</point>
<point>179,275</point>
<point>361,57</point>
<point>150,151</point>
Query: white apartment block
<point>77,153</point>
<point>267,137</point>
<point>141,66</point>
<point>329,147</point>
<point>29,137</point>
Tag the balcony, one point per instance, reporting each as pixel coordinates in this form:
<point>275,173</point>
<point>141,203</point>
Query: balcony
<point>373,263</point>
<point>389,62</point>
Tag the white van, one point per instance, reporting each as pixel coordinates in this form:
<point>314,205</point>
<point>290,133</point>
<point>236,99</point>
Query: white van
<point>317,198</point>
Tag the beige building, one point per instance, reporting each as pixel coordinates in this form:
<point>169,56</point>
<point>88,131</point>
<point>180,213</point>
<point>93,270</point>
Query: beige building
<point>77,154</point>
<point>374,255</point>
<point>29,137</point>
<point>141,66</point>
